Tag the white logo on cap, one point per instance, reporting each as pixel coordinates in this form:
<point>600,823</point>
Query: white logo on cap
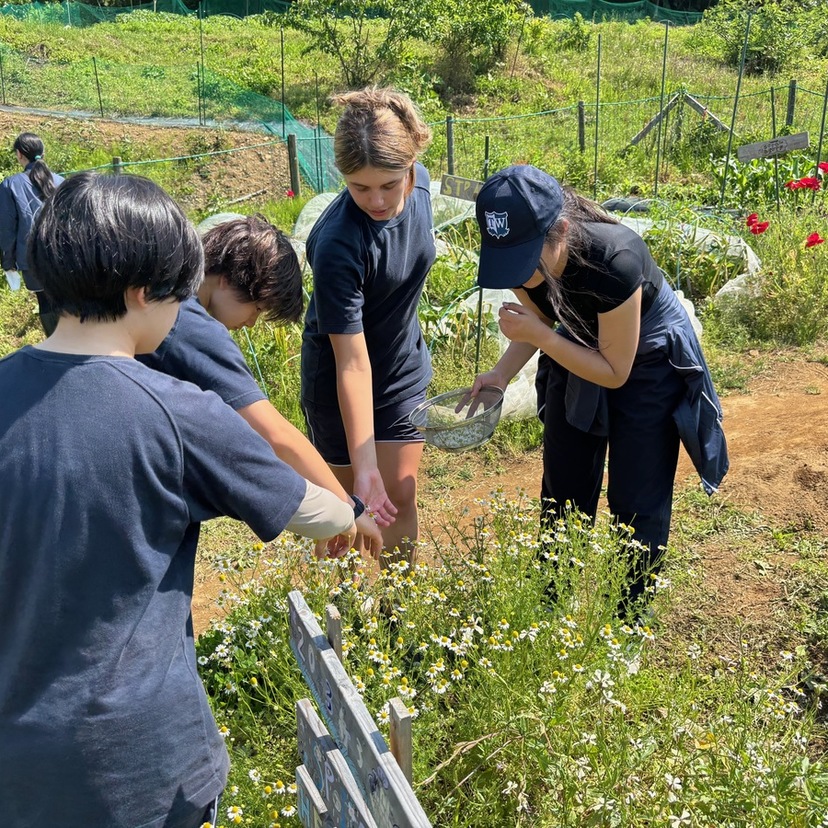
<point>497,224</point>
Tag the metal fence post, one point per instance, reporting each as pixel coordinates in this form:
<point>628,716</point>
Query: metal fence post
<point>581,126</point>
<point>2,79</point>
<point>789,116</point>
<point>597,109</point>
<point>98,84</point>
<point>450,143</point>
<point>117,167</point>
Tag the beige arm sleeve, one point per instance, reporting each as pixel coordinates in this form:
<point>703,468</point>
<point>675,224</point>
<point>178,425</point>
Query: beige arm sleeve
<point>321,515</point>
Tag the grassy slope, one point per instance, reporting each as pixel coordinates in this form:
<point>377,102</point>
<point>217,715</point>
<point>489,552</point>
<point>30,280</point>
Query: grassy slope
<point>147,64</point>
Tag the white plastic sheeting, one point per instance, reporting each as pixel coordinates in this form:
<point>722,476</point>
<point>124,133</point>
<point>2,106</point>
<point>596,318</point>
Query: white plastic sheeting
<point>520,399</point>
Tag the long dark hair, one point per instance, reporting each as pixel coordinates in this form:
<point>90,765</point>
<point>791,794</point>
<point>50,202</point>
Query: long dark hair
<point>577,210</point>
<point>31,148</point>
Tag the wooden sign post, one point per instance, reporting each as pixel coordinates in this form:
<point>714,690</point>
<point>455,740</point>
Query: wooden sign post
<point>776,146</point>
<point>334,784</point>
<point>464,188</point>
<point>381,783</point>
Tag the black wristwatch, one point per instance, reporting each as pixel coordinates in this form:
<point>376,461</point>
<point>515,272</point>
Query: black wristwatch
<point>359,506</point>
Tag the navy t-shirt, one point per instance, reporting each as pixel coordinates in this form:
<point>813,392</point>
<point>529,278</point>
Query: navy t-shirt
<point>199,349</point>
<point>618,262</point>
<point>106,470</point>
<point>367,278</point>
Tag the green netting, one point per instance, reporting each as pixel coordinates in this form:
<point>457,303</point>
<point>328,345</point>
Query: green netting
<point>82,14</point>
<point>603,10</point>
<point>243,8</point>
<point>225,102</point>
<point>116,90</point>
<point>619,10</point>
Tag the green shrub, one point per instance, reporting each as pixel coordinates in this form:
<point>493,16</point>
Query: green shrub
<point>780,31</point>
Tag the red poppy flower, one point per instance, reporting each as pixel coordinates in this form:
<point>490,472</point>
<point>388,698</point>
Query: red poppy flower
<point>809,182</point>
<point>813,240</point>
<point>793,185</point>
<point>823,166</point>
<point>290,193</point>
<point>752,219</point>
<point>759,227</point>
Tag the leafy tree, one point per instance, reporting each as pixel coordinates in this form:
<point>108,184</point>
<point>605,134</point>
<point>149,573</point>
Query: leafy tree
<point>472,36</point>
<point>367,37</point>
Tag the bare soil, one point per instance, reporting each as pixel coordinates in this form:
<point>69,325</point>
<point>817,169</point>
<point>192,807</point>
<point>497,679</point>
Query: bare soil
<point>777,432</point>
<point>208,184</point>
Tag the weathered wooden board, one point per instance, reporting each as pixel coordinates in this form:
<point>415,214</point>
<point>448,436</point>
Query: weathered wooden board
<point>775,146</point>
<point>312,811</point>
<point>384,786</point>
<point>465,188</point>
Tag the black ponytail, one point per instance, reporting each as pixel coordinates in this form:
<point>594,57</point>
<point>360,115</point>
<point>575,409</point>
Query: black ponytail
<point>31,148</point>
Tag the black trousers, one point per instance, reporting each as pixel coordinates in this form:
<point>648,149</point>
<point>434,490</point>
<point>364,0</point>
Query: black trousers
<point>643,446</point>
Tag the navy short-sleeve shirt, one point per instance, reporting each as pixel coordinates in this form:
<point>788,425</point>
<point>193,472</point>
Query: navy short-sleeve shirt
<point>106,470</point>
<point>199,349</point>
<point>367,278</point>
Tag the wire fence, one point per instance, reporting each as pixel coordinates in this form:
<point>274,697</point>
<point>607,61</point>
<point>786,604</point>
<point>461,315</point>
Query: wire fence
<point>585,142</point>
<point>68,13</point>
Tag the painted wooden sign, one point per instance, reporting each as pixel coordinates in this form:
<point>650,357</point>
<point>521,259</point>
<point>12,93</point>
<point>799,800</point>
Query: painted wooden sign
<point>384,787</point>
<point>312,810</point>
<point>342,803</point>
<point>776,146</point>
<point>465,188</point>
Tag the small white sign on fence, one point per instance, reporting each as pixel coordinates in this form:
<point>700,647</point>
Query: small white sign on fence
<point>776,146</point>
<point>383,785</point>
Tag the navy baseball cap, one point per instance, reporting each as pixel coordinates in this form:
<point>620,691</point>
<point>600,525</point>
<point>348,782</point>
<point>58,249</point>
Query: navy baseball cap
<point>515,208</point>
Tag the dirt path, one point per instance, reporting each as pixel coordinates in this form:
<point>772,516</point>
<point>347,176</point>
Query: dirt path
<point>777,434</point>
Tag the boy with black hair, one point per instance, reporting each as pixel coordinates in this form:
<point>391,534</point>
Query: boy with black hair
<point>251,269</point>
<point>107,469</point>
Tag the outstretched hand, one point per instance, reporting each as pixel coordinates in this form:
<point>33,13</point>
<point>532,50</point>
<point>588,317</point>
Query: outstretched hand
<point>338,545</point>
<point>369,537</point>
<point>369,487</point>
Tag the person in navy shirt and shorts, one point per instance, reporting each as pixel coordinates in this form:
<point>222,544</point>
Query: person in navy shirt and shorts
<point>365,364</point>
<point>250,271</point>
<point>107,469</point>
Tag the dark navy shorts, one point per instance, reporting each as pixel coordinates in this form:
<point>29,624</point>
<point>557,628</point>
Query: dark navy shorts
<point>391,425</point>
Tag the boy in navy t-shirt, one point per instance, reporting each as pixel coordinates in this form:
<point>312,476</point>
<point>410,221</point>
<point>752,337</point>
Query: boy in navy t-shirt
<point>107,469</point>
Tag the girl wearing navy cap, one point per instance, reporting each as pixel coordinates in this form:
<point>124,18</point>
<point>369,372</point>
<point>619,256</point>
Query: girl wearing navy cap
<point>365,365</point>
<point>620,370</point>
